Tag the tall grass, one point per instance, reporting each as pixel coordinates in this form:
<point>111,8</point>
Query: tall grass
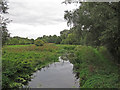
<point>96,67</point>
<point>19,62</point>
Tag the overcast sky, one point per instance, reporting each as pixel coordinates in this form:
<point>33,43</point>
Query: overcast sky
<point>35,18</point>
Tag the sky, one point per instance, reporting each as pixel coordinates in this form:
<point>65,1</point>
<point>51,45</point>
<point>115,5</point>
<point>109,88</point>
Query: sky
<point>35,18</point>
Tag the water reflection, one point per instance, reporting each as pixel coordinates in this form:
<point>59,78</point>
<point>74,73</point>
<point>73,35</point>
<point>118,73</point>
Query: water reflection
<point>57,75</point>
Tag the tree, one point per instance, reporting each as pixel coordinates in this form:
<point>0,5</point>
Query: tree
<point>58,40</point>
<point>39,42</point>
<point>97,24</point>
<point>3,23</point>
<point>32,41</point>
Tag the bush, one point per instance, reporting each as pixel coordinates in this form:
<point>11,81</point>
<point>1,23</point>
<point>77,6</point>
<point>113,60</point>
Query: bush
<point>96,68</point>
<point>39,43</point>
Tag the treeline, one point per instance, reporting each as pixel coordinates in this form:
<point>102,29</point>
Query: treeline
<point>51,39</point>
<point>19,41</point>
<point>24,41</point>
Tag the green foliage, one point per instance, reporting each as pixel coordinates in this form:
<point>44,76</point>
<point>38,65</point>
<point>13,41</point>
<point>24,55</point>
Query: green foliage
<point>96,68</point>
<point>20,61</point>
<point>39,43</point>
<point>96,24</point>
<point>69,37</point>
<point>94,65</point>
<point>69,40</point>
<point>3,23</point>
<point>51,39</point>
<point>19,41</point>
<point>5,34</point>
<point>64,34</point>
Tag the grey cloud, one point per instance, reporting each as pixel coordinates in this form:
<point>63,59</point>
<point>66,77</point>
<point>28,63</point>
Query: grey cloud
<point>35,13</point>
<point>36,17</point>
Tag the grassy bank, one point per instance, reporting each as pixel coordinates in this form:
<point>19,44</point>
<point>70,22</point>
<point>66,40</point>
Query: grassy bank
<point>95,67</point>
<point>20,61</point>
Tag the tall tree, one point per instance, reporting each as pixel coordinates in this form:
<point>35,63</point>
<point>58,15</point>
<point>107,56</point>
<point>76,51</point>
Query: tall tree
<point>3,21</point>
<point>100,22</point>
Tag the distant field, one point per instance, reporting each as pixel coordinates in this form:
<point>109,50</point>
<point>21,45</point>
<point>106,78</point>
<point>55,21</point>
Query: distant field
<point>17,45</point>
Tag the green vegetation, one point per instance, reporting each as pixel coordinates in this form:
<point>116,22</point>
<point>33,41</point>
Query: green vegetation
<point>50,39</point>
<point>17,45</point>
<point>20,61</point>
<point>3,22</point>
<point>39,43</point>
<point>87,28</point>
<point>92,44</point>
<point>94,24</point>
<point>19,41</point>
<point>95,67</point>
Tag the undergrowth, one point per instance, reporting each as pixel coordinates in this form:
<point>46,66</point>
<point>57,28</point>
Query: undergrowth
<point>96,67</point>
<point>20,61</point>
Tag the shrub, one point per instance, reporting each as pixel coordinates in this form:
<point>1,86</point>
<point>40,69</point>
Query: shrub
<point>39,43</point>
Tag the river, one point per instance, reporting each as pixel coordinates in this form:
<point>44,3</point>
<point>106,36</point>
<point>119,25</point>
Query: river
<point>56,75</point>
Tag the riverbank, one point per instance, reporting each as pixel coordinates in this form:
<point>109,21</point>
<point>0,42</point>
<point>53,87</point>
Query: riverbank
<point>96,67</point>
<point>56,75</point>
<point>20,61</point>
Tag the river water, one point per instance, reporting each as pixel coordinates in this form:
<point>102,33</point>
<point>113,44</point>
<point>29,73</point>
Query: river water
<point>57,75</point>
